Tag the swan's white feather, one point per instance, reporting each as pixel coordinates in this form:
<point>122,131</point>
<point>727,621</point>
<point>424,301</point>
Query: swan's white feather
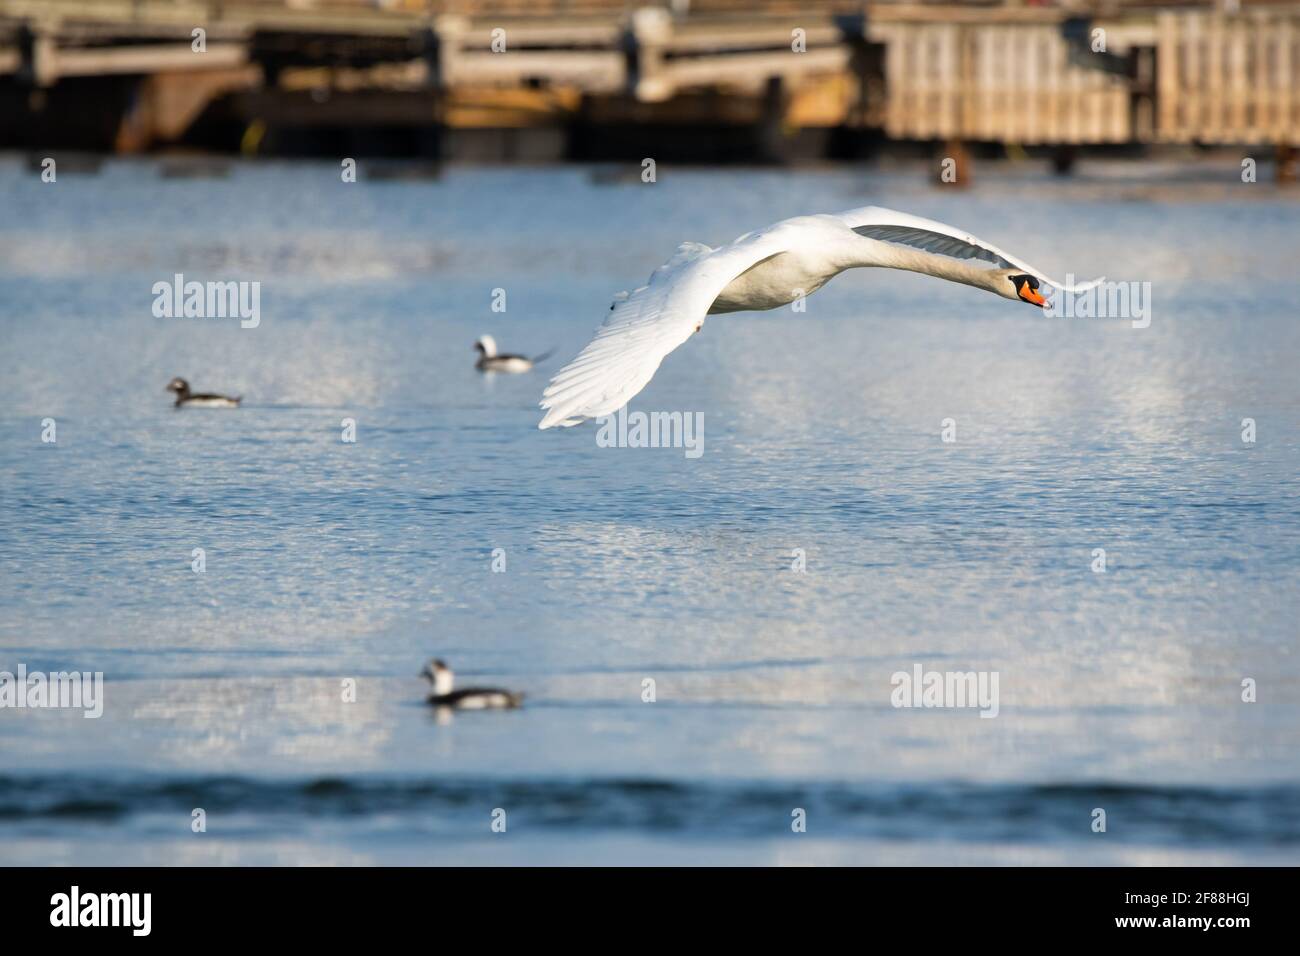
<point>646,324</point>
<point>890,225</point>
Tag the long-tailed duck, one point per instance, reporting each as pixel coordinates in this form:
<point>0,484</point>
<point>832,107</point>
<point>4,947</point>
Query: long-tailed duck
<point>470,698</point>
<point>185,397</point>
<point>490,361</point>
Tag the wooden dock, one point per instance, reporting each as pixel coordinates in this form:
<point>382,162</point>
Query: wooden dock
<point>971,72</point>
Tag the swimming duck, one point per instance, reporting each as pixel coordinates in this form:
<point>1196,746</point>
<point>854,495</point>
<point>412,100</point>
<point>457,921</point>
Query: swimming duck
<point>202,401</point>
<point>185,397</point>
<point>490,361</point>
<point>437,673</point>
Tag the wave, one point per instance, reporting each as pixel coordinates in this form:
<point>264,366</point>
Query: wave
<point>1160,815</point>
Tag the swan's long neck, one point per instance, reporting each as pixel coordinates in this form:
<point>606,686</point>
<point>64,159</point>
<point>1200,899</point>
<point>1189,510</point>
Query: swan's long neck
<point>868,253</point>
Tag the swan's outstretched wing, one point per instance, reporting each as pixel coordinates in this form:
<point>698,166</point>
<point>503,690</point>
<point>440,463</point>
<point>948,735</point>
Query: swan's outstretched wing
<point>646,324</point>
<point>876,222</point>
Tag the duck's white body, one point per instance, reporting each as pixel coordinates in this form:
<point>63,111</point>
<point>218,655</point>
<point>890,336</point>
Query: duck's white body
<point>490,360</point>
<point>479,700</point>
<point>764,270</point>
<point>210,403</point>
<point>185,398</point>
<point>510,364</point>
<point>445,696</point>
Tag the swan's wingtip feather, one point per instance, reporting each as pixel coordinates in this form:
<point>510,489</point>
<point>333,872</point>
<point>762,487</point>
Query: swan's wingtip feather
<point>551,421</point>
<point>559,418</point>
<point>1080,286</point>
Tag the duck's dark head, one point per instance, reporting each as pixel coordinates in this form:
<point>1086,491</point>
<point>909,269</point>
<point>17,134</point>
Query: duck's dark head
<point>179,386</point>
<point>434,668</point>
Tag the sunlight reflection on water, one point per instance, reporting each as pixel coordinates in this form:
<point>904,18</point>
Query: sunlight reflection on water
<point>328,560</point>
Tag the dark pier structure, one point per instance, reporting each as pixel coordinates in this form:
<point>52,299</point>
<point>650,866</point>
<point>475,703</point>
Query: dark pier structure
<point>706,80</point>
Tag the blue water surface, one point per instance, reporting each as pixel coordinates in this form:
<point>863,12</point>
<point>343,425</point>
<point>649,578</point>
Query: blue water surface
<point>330,561</point>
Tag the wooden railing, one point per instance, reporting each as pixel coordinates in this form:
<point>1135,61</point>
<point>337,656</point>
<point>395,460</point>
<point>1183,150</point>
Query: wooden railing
<point>1223,80</point>
<point>1000,82</point>
<point>954,71</point>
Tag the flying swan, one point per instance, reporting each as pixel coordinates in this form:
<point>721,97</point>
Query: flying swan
<point>764,270</point>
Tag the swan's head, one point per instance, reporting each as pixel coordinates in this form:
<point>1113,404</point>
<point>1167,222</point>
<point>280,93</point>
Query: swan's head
<point>486,345</point>
<point>1022,286</point>
<point>439,675</point>
<point>178,385</point>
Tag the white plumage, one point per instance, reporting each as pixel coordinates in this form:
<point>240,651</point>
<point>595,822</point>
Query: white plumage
<point>764,270</point>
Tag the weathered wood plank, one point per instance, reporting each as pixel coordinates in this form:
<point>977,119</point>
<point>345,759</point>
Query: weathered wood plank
<point>951,71</point>
<point>146,59</point>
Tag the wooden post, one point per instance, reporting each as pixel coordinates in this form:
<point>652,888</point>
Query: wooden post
<point>39,64</point>
<point>650,31</point>
<point>862,66</point>
<point>772,139</point>
<point>955,149</point>
<point>1142,105</point>
<point>448,38</point>
<point>1286,162</point>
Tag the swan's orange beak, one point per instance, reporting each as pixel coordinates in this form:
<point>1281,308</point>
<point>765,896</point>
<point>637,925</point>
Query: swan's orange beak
<point>1032,296</point>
